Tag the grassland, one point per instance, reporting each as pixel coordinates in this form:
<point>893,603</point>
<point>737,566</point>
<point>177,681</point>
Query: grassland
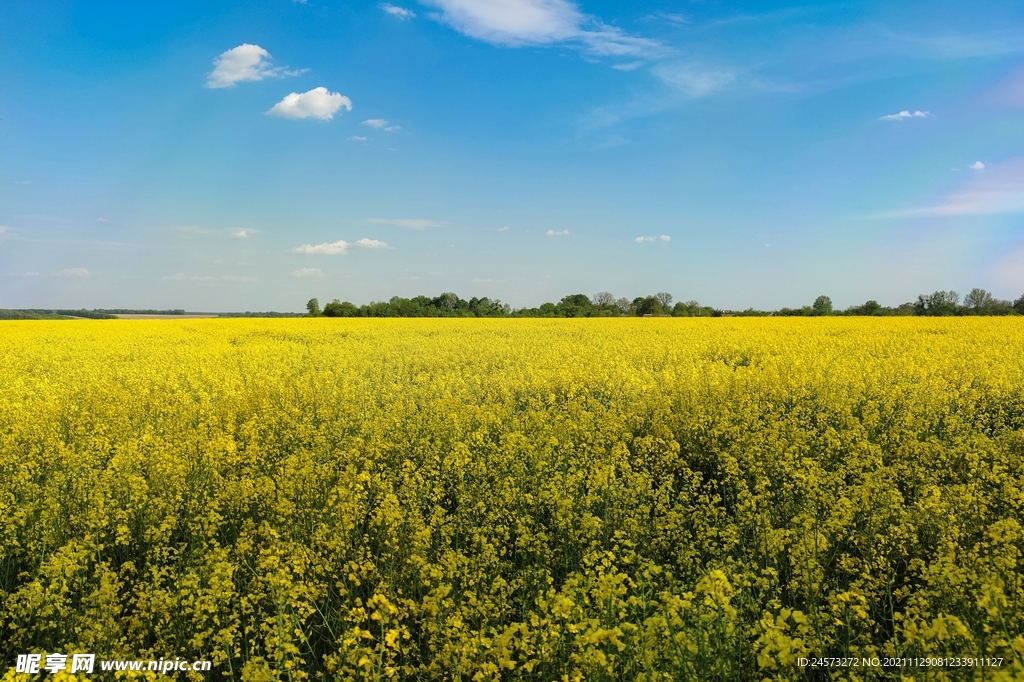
<point>641,499</point>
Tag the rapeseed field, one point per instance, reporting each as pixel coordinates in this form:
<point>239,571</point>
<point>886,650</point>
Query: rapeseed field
<point>624,499</point>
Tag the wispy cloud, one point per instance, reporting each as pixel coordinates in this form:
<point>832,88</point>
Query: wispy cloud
<point>557,233</point>
<point>977,165</point>
<point>244,63</point>
<point>356,138</point>
<point>242,234</point>
<point>371,243</point>
<point>516,23</point>
<point>904,115</point>
<point>662,238</point>
<point>308,272</point>
<point>1000,189</point>
<point>395,11</point>
<point>381,124</point>
<point>316,103</point>
<point>693,80</point>
<point>72,272</point>
<point>4,228</point>
<point>409,223</point>
<point>337,248</point>
<point>628,66</point>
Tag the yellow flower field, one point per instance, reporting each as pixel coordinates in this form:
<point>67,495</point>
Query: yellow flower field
<point>616,499</point>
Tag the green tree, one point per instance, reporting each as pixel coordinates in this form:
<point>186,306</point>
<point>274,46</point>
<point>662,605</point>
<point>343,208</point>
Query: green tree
<point>665,299</point>
<point>979,301</point>
<point>822,306</point>
<point>1018,305</point>
<point>940,303</point>
<point>313,308</point>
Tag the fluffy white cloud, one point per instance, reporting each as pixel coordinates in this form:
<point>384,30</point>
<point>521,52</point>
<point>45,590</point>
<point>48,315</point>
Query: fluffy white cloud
<point>977,165</point>
<point>371,243</point>
<point>559,233</point>
<point>317,103</point>
<point>308,272</point>
<point>72,272</point>
<point>395,11</point>
<point>903,115</point>
<point>662,238</point>
<point>540,22</point>
<point>243,63</point>
<point>327,248</point>
<point>410,223</point>
<point>241,234</point>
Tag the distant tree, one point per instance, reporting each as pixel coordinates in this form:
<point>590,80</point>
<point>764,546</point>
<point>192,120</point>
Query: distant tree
<point>979,301</point>
<point>940,303</point>
<point>1018,305</point>
<point>822,306</point>
<point>665,299</point>
<point>680,310</point>
<point>575,305</point>
<point>625,307</point>
<point>313,308</point>
<point>448,301</point>
<point>647,305</point>
<point>603,299</point>
<point>333,309</point>
<point>871,307</point>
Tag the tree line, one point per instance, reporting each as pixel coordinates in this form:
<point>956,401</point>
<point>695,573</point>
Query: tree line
<point>604,304</point>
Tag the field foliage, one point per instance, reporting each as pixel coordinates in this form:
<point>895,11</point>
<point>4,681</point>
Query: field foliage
<point>641,499</point>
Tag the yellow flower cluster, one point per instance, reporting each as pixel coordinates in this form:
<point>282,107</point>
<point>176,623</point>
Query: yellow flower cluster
<point>607,499</point>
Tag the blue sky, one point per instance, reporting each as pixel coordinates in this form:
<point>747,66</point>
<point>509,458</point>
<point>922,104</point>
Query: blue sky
<point>251,155</point>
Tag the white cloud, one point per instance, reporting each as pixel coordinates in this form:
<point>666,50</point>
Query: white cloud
<point>103,220</point>
<point>316,103</point>
<point>339,247</point>
<point>371,243</point>
<point>977,165</point>
<point>241,234</point>
<point>357,138</point>
<point>308,272</point>
<point>999,190</point>
<point>410,223</point>
<point>381,124</point>
<point>503,228</point>
<point>693,80</point>
<point>395,11</point>
<point>517,23</point>
<point>903,115</point>
<point>628,66</point>
<point>559,233</point>
<point>662,238</point>
<point>244,63</point>
<point>72,272</point>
